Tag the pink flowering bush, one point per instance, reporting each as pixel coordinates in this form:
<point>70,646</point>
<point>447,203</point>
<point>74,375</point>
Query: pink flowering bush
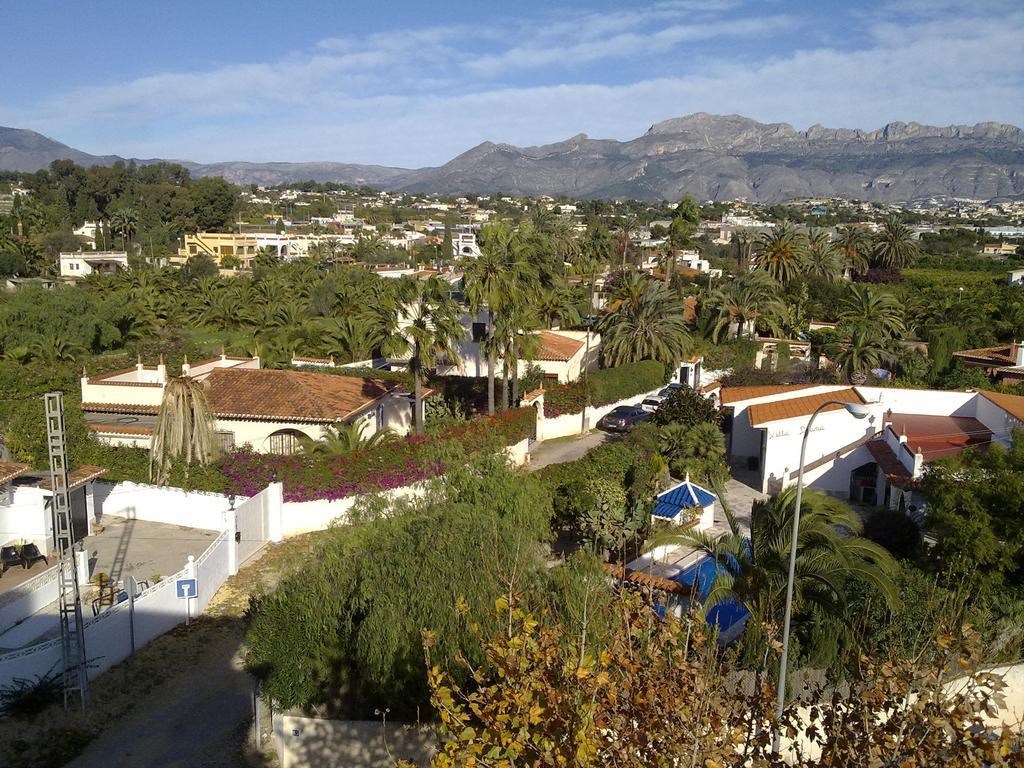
<point>392,465</point>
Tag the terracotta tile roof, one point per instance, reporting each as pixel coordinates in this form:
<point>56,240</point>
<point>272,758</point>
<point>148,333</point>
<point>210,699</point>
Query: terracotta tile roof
<point>889,463</point>
<point>558,348</point>
<point>242,393</point>
<point>690,309</point>
<point>764,413</point>
<point>938,436</point>
<point>119,429</point>
<point>10,470</point>
<point>736,394</point>
<point>125,408</point>
<point>1012,404</point>
<point>641,579</point>
<point>76,477</point>
<point>1005,355</point>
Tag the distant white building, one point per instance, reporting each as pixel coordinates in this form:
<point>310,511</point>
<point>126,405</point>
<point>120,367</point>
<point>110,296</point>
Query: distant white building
<point>464,245</point>
<point>83,263</point>
<point>1016,276</point>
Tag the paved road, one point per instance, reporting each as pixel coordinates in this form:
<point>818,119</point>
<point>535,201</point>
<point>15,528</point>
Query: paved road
<point>564,449</point>
<point>195,719</point>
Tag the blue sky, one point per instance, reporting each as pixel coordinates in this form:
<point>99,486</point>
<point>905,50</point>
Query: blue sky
<point>415,83</point>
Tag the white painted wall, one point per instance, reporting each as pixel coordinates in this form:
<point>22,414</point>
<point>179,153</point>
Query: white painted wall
<point>572,423</point>
<point>27,598</point>
<point>25,519</point>
<point>995,418</point>
<point>303,742</point>
<point>162,504</point>
<point>746,439</point>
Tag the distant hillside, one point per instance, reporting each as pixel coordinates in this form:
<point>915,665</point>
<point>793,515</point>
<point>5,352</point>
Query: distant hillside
<point>709,156</point>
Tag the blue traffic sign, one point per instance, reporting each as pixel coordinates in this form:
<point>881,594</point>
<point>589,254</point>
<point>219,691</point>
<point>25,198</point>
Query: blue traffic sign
<point>186,588</point>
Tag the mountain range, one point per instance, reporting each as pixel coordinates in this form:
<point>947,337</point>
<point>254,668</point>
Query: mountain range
<point>712,157</point>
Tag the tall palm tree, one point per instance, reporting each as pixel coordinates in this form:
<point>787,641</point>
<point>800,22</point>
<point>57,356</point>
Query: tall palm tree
<point>185,429</point>
<point>780,253</point>
<point>821,258</point>
<point>428,327</point>
<point>894,245</point>
<point>517,340</point>
<point>497,279</point>
<point>855,246</point>
<point>830,556</point>
<point>558,304</point>
<point>742,301</point>
<point>651,329</point>
<point>124,222</point>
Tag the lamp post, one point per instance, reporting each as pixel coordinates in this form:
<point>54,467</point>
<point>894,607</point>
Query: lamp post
<point>858,411</point>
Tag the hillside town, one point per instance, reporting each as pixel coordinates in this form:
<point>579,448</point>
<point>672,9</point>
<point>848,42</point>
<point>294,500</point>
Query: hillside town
<point>387,427</point>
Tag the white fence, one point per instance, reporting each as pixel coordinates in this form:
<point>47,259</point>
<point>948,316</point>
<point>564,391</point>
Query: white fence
<point>109,636</point>
<point>161,504</point>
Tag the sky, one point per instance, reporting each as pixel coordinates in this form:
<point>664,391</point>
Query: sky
<point>411,84</point>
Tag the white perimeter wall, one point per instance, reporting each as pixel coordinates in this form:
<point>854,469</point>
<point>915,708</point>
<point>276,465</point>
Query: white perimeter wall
<point>572,423</point>
<point>162,504</point>
<point>28,598</point>
<point>25,520</point>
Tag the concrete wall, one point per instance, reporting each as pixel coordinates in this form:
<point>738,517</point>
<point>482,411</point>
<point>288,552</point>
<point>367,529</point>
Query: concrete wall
<point>161,504</point>
<point>305,742</point>
<point>28,598</point>
<point>25,519</point>
<point>572,423</point>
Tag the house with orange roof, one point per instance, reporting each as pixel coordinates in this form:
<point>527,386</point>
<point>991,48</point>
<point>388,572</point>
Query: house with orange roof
<point>1004,364</point>
<point>877,460</point>
<point>272,411</point>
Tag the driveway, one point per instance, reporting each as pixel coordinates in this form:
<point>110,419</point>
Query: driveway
<point>565,449</point>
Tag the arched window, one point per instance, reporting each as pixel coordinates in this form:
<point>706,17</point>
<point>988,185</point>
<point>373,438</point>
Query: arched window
<point>285,441</point>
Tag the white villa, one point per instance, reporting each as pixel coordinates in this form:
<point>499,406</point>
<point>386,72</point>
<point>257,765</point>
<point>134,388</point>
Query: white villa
<point>876,460</point>
<point>270,410</point>
<point>82,263</point>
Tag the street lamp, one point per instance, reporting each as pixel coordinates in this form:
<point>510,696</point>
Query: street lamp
<point>858,411</point>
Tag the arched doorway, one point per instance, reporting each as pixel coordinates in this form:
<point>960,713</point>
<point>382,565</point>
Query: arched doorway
<point>284,442</point>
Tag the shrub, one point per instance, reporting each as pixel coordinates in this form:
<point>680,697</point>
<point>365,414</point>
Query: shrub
<point>604,387</point>
<point>688,407</point>
<point>894,531</point>
<point>732,354</point>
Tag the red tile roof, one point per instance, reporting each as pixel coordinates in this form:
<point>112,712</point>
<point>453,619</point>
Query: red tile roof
<point>10,470</point>
<point>240,393</point>
<point>125,408</point>
<point>558,348</point>
<point>642,579</point>
<point>119,429</point>
<point>936,437</point>
<point>76,477</point>
<point>736,394</point>
<point>889,463</point>
<point>777,410</point>
<point>1012,404</point>
<point>1005,355</point>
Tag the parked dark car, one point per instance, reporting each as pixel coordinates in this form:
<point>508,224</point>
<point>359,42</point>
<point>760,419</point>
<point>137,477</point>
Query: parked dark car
<point>623,418</point>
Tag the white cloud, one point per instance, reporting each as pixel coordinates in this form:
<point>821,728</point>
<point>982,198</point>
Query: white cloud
<point>420,96</point>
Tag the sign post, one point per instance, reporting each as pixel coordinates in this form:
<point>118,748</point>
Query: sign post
<point>186,590</point>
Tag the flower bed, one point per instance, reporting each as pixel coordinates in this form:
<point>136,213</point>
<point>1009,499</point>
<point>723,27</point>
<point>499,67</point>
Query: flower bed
<point>393,465</point>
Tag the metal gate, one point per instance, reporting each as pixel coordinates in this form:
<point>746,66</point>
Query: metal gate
<point>252,525</point>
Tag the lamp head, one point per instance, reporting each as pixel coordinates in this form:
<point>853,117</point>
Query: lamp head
<point>857,410</point>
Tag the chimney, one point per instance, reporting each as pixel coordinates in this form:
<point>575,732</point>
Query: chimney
<point>918,462</point>
<point>186,369</point>
<point>161,370</point>
<point>1019,354</point>
<point>138,366</point>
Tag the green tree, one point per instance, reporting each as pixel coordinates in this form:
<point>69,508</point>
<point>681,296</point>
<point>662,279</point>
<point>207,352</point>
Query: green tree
<point>650,328</point>
<point>185,429</point>
<point>780,253</point>
<point>894,245</point>
<point>685,221</point>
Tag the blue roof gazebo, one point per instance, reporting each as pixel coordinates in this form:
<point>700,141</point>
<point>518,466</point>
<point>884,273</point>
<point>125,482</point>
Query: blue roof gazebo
<point>686,496</point>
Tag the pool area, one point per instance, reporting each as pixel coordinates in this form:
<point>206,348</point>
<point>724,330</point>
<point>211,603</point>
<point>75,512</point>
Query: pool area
<point>729,616</point>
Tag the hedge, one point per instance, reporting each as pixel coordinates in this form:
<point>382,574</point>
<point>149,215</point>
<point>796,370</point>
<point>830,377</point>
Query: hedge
<point>392,465</point>
<point>605,386</point>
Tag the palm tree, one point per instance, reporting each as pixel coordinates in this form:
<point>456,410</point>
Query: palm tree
<point>124,222</point>
<point>354,336</point>
<point>875,312</point>
<point>830,555</point>
<point>184,428</point>
<point>895,246</point>
<point>855,247</point>
<point>54,349</point>
<point>742,301</point>
<point>426,328</point>
<point>862,353</point>
<point>515,335</point>
<point>651,329</point>
<point>345,439</point>
<point>558,304</point>
<point>496,280</point>
<point>780,253</point>
<point>821,259</point>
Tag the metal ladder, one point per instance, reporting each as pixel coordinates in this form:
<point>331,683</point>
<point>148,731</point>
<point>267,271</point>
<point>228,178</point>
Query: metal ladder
<point>72,631</point>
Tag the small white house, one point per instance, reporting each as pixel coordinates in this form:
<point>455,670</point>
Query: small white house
<point>82,263</point>
<point>25,510</point>
<point>1016,276</point>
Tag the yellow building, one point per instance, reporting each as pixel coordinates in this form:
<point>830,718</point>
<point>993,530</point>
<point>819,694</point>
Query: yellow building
<point>217,245</point>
